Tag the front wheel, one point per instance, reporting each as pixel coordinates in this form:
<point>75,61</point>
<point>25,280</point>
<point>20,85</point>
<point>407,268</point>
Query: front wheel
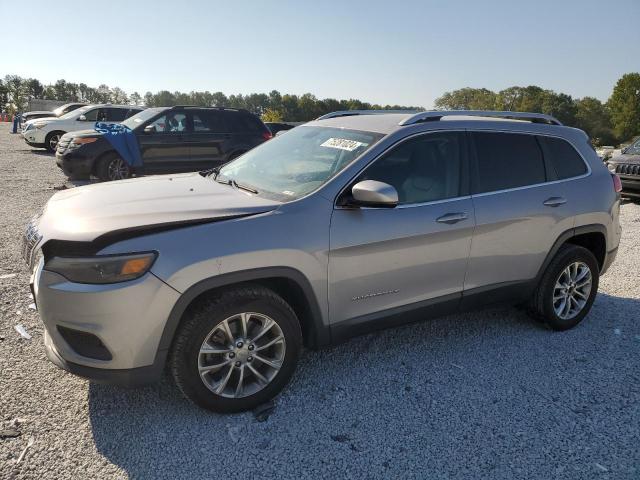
<point>52,140</point>
<point>113,167</point>
<point>236,350</point>
<point>568,288</point>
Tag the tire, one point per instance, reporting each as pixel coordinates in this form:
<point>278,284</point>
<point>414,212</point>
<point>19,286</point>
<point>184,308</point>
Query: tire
<point>205,321</point>
<point>112,167</point>
<point>543,306</point>
<point>51,141</point>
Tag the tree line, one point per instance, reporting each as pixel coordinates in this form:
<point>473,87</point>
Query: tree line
<point>614,121</point>
<point>609,123</point>
<point>16,92</point>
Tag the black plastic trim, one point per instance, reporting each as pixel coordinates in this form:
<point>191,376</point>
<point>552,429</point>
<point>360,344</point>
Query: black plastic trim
<point>320,333</point>
<point>395,317</point>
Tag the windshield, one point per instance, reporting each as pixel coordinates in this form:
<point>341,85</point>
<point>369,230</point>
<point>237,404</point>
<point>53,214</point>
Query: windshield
<point>75,113</point>
<point>298,162</point>
<point>634,148</point>
<point>141,117</point>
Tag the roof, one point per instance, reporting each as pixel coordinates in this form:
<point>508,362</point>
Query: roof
<point>386,123</point>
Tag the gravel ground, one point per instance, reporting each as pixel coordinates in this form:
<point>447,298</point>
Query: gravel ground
<point>489,394</point>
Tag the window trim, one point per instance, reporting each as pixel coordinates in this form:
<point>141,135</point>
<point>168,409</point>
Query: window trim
<point>466,164</point>
<point>534,185</point>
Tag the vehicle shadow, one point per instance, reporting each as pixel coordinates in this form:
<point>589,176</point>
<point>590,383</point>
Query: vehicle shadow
<point>492,386</point>
<point>42,153</point>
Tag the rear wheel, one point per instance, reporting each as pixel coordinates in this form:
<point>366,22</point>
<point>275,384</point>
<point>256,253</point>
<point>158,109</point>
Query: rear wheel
<point>236,350</point>
<point>568,288</point>
<point>113,167</point>
<point>51,141</point>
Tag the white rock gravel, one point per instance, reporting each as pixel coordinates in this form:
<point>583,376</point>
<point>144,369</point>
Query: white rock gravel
<point>480,395</point>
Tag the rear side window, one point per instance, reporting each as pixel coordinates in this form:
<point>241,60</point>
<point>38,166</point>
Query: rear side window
<point>209,122</point>
<point>116,114</point>
<point>245,122</point>
<point>563,157</point>
<point>507,160</point>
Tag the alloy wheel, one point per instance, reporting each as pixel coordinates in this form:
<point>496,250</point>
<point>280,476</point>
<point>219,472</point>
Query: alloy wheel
<point>118,169</point>
<point>53,142</point>
<point>572,290</point>
<point>241,355</point>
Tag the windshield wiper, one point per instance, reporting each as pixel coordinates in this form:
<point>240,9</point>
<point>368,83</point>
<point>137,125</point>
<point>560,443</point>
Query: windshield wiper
<point>246,188</point>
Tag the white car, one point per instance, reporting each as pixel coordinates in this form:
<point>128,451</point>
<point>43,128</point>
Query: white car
<point>46,132</point>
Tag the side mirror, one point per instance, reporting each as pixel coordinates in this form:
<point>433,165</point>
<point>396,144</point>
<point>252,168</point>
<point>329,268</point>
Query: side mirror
<point>82,118</point>
<point>371,193</point>
<point>150,129</point>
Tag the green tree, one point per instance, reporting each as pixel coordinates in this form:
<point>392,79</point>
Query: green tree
<point>593,117</point>
<point>624,105</point>
<point>467,99</point>
<point>271,115</point>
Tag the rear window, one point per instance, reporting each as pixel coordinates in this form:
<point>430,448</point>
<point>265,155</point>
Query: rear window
<point>507,160</point>
<point>563,157</point>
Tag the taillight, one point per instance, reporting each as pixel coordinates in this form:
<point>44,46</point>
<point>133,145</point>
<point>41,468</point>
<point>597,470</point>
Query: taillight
<point>617,184</point>
<point>267,135</point>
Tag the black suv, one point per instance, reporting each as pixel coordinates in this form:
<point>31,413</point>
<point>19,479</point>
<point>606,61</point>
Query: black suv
<point>171,140</point>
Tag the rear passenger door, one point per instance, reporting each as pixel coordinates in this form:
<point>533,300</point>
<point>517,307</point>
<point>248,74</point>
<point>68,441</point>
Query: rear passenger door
<point>207,139</point>
<point>520,209</point>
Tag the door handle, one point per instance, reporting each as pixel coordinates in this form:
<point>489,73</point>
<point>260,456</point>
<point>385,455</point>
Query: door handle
<point>451,218</point>
<point>555,201</point>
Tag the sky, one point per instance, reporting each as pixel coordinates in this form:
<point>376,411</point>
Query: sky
<point>389,52</point>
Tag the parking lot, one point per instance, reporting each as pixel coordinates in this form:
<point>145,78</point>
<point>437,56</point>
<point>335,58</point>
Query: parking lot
<point>488,394</point>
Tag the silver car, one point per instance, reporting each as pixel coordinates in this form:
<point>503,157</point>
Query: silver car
<point>350,223</point>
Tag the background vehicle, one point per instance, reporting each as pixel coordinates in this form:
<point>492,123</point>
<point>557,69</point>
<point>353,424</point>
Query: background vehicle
<point>275,127</point>
<point>45,133</point>
<point>171,140</point>
<point>58,112</point>
<point>627,166</point>
<point>339,227</point>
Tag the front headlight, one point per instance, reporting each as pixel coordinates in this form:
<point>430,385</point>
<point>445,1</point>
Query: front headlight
<point>28,127</point>
<point>102,268</point>
<point>611,167</point>
<point>77,141</point>
<point>40,124</point>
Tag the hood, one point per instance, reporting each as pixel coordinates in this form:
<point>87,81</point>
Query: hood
<point>625,158</point>
<point>42,119</point>
<point>85,213</point>
<point>82,133</point>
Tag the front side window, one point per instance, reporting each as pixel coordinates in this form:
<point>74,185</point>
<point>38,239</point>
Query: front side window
<point>424,169</point>
<point>507,160</point>
<point>170,123</point>
<point>293,165</point>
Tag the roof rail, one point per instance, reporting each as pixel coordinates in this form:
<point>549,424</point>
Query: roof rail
<point>348,113</point>
<point>435,115</point>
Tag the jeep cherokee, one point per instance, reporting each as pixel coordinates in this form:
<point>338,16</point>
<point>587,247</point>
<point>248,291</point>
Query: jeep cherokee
<point>350,223</point>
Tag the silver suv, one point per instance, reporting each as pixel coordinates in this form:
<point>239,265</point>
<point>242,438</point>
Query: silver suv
<point>350,223</point>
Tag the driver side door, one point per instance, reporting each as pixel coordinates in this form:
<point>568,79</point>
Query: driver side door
<point>165,149</point>
<point>386,260</point>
